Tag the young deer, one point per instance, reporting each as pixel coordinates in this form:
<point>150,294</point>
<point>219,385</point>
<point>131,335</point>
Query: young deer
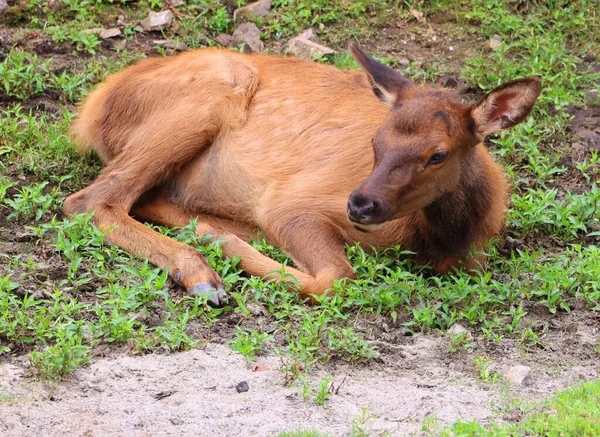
<point>310,156</point>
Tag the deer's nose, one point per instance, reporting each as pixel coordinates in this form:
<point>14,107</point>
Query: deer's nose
<point>365,209</point>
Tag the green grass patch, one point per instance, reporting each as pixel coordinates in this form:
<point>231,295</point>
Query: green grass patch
<point>572,412</point>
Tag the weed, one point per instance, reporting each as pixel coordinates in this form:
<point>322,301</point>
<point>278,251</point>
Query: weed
<point>323,392</point>
<point>249,342</point>
<point>22,75</point>
<point>460,342</point>
<point>359,422</point>
<point>484,372</point>
<point>60,359</point>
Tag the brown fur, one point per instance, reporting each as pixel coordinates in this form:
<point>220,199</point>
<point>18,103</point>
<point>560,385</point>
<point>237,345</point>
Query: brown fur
<point>250,143</point>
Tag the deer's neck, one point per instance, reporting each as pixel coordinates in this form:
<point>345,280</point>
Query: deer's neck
<point>472,213</point>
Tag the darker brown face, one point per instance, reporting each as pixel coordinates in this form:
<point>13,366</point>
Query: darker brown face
<point>424,146</point>
<point>417,159</point>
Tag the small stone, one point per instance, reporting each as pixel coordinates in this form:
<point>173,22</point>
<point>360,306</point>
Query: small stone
<point>242,387</point>
<point>110,33</point>
<point>258,9</point>
<point>592,98</point>
<point>306,46</point>
<point>456,329</point>
<point>176,3</point>
<point>3,5</point>
<point>176,421</point>
<point>157,21</point>
<point>309,35</point>
<point>495,42</point>
<point>249,35</point>
<point>121,21</point>
<point>223,39</point>
<point>257,309</point>
<point>519,375</point>
<point>404,62</point>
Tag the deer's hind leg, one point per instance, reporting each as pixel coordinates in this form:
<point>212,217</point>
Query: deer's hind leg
<point>152,153</point>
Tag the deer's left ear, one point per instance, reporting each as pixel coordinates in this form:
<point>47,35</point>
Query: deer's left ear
<point>389,85</point>
<point>505,106</point>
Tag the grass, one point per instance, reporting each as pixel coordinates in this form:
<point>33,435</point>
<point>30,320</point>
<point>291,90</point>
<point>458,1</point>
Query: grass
<point>66,291</point>
<point>573,412</point>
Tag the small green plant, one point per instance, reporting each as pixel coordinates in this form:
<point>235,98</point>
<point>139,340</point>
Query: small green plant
<point>60,359</point>
<point>484,372</point>
<point>32,203</point>
<point>357,426</point>
<point>323,393</point>
<point>303,389</point>
<point>22,75</point>
<point>460,342</point>
<point>430,423</point>
<point>249,342</point>
<point>85,41</point>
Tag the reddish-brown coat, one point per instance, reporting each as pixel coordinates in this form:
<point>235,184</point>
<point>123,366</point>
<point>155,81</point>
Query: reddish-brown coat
<point>277,145</point>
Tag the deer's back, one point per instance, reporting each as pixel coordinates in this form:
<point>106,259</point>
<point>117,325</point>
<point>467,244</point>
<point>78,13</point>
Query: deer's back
<point>306,140</point>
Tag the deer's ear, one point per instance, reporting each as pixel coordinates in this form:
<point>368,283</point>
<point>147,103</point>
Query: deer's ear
<point>505,106</point>
<point>387,83</point>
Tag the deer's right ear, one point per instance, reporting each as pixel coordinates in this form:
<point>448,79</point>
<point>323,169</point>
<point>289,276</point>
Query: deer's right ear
<point>387,83</point>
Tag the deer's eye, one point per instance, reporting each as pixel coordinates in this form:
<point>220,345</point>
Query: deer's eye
<point>437,158</point>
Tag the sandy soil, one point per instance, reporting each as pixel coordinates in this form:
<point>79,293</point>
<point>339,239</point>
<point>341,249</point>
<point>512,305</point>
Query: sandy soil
<point>194,393</point>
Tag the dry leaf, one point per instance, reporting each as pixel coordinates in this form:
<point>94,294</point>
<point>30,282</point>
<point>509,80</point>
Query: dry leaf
<point>417,14</point>
<point>260,369</point>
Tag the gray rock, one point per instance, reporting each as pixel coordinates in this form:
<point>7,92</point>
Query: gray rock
<point>242,387</point>
<point>495,42</point>
<point>306,46</point>
<point>457,328</point>
<point>309,35</point>
<point>258,9</point>
<point>519,375</point>
<point>249,35</point>
<point>176,3</point>
<point>404,62</point>
<point>224,40</point>
<point>110,33</point>
<point>3,5</point>
<point>157,21</point>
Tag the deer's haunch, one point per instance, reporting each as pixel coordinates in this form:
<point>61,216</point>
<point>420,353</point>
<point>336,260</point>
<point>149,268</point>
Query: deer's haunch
<point>310,156</point>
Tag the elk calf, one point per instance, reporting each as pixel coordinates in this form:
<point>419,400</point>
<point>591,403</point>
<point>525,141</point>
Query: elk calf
<point>309,156</point>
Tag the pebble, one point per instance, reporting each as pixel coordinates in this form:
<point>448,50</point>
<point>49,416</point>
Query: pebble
<point>157,21</point>
<point>242,387</point>
<point>519,375</point>
<point>249,35</point>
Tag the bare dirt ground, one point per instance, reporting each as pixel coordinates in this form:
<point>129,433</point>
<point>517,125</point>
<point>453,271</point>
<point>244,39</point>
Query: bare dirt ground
<point>194,393</point>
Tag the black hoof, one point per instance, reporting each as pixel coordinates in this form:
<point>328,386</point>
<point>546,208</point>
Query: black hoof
<point>215,296</point>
